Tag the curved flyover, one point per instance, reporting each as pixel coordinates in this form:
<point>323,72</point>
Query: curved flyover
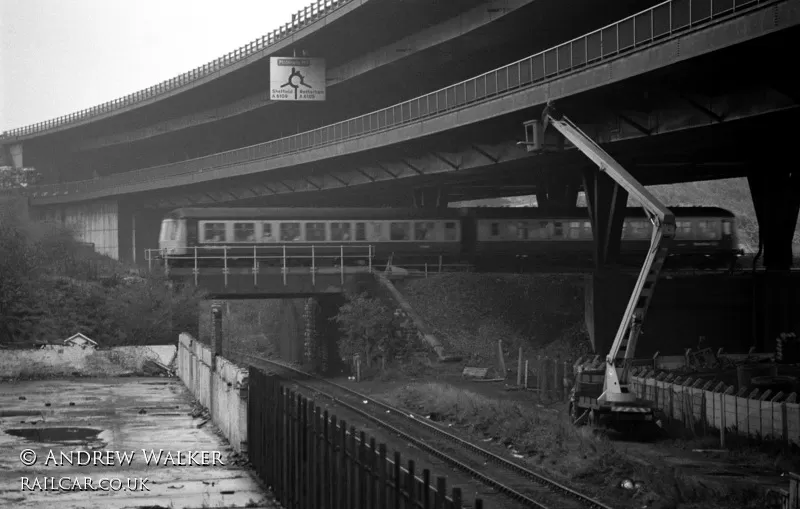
<point>673,31</point>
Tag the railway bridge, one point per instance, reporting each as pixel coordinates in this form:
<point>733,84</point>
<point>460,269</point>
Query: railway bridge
<point>432,110</point>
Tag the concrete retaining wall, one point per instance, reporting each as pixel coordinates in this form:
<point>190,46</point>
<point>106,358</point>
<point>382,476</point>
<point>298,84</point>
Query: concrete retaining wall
<point>224,392</point>
<point>55,360</point>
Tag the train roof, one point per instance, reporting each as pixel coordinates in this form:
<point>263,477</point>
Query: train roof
<point>582,212</point>
<point>312,213</point>
<point>410,213</point>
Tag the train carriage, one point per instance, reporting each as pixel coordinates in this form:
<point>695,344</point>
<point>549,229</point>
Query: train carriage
<point>705,236</point>
<point>491,238</point>
<point>239,233</point>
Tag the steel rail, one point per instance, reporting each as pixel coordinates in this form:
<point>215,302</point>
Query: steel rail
<point>551,484</point>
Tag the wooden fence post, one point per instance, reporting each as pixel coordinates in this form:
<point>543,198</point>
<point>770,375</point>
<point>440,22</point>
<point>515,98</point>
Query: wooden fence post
<point>526,374</point>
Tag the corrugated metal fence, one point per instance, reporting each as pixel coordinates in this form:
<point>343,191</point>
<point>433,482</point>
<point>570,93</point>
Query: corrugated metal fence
<point>311,461</point>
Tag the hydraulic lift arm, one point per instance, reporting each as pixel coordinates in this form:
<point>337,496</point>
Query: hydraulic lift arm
<point>615,390</point>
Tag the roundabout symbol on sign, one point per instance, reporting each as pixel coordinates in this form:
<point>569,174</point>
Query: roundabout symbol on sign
<point>291,81</point>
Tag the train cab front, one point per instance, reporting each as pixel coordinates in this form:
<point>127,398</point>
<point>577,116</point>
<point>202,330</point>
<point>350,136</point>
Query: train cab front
<point>172,239</point>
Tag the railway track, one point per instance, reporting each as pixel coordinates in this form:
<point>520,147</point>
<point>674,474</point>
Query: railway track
<point>523,486</point>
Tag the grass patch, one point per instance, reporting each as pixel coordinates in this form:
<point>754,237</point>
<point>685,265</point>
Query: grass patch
<point>580,456</point>
<point>470,312</point>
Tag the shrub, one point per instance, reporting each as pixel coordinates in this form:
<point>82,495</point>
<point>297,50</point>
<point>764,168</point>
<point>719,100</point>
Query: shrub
<point>373,330</point>
<point>44,297</point>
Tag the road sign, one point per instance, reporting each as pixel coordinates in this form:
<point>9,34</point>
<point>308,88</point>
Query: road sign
<point>297,79</point>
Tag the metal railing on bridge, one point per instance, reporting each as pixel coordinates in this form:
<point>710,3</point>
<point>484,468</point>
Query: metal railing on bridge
<point>303,17</point>
<point>313,260</point>
<point>632,33</point>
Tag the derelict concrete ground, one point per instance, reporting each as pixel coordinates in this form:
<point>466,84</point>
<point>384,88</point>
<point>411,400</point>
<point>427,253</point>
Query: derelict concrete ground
<point>128,414</point>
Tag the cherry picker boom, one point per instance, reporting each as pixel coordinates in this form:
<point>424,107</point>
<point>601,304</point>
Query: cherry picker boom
<point>616,398</point>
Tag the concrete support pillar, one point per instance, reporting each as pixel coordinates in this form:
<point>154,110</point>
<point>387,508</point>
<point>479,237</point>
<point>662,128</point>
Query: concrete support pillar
<point>291,329</point>
<point>126,227</point>
<point>5,155</point>
<point>776,199</point>
<point>606,202</point>
<point>606,296</point>
<point>11,155</point>
<point>145,225</point>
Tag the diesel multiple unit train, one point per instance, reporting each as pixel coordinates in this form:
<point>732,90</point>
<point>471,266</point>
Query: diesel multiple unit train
<point>488,237</point>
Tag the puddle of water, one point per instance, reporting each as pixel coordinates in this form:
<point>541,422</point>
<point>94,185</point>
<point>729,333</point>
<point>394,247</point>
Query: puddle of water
<point>16,413</point>
<point>56,435</point>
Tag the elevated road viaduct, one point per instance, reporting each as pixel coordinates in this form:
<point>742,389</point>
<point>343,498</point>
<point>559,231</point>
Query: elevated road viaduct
<point>420,113</point>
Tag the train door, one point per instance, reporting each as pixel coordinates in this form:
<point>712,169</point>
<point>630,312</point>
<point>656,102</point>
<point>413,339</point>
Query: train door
<point>191,232</point>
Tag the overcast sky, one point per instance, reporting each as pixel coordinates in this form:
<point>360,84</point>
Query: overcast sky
<point>60,56</point>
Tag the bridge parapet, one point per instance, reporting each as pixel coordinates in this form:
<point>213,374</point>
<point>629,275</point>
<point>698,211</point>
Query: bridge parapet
<point>658,23</point>
<point>266,270</point>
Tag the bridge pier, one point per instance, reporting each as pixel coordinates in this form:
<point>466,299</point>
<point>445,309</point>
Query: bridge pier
<point>717,307</point>
<point>144,228</point>
<point>11,155</point>
<point>322,333</point>
<point>776,199</point>
<point>95,222</point>
<point>119,229</point>
<point>605,201</point>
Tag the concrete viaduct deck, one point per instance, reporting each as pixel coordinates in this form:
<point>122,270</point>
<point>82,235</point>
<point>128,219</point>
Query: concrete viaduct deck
<point>658,37</point>
<point>307,21</point>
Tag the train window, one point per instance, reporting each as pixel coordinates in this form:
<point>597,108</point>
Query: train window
<point>541,230</point>
<point>727,227</point>
<point>683,229</point>
<point>450,231</point>
<point>290,232</point>
<point>244,232</point>
<point>522,230</point>
<point>638,229</point>
<point>400,231</point>
<point>558,229</point>
<point>214,232</point>
<point>266,232</point>
<point>575,229</point>
<point>315,232</point>
<point>361,232</point>
<point>424,230</point>
<point>341,231</point>
<point>495,227</point>
<point>587,229</point>
<point>708,229</point>
<point>511,229</point>
<point>169,229</point>
<point>375,231</point>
